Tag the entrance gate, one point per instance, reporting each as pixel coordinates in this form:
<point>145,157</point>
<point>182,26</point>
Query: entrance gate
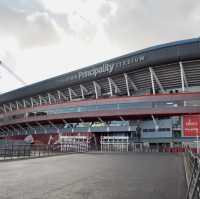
<point>74,143</point>
<point>114,143</point>
<point>137,146</point>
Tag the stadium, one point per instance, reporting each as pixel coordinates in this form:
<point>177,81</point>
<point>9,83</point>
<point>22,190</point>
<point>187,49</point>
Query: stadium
<point>149,97</point>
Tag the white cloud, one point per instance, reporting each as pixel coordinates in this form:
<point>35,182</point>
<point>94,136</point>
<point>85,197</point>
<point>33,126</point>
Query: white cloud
<point>47,37</point>
<point>141,23</point>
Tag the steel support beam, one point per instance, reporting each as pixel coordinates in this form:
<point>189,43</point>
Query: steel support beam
<point>81,120</point>
<point>2,109</point>
<point>7,130</point>
<point>152,82</point>
<point>3,131</point>
<point>97,89</point>
<point>100,119</point>
<point>25,103</point>
<point>155,123</point>
<point>41,100</point>
<point>6,108</point>
<point>71,92</point>
<point>154,76</point>
<point>112,83</point>
<point>14,129</point>
<point>50,96</point>
<point>121,118</point>
<point>128,80</point>
<point>31,99</point>
<point>22,128</point>
<point>182,77</point>
<point>34,101</point>
<point>30,127</point>
<point>83,89</point>
<point>184,82</point>
<point>61,94</point>
<point>19,105</point>
<point>65,122</point>
<point>12,106</point>
<point>53,125</point>
<point>127,85</point>
<point>110,87</point>
<point>42,127</point>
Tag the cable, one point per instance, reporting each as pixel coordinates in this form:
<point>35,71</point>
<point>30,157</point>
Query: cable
<point>12,73</point>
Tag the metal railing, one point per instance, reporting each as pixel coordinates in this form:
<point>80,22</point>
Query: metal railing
<point>192,169</point>
<point>78,147</point>
<point>25,151</point>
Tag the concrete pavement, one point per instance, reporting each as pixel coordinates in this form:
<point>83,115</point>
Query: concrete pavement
<point>95,176</point>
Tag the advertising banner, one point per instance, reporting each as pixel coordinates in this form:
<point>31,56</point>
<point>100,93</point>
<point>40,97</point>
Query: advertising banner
<point>191,125</point>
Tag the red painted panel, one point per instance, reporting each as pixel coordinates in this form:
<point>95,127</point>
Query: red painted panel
<point>37,138</point>
<point>46,138</point>
<point>191,125</point>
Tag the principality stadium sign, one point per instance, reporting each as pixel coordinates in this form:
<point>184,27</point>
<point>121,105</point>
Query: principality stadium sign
<point>105,68</point>
<point>109,67</point>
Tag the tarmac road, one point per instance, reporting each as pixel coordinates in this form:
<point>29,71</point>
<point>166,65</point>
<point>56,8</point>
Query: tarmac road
<point>95,176</point>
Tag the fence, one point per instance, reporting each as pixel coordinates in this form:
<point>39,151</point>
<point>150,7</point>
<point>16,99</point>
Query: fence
<point>123,144</point>
<point>22,151</point>
<point>192,167</point>
<point>74,147</point>
<point>114,143</point>
<point>77,143</point>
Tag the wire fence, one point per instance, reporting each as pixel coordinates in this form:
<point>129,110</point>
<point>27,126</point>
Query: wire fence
<point>192,169</point>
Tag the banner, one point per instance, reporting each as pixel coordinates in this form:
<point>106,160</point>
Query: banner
<point>191,125</point>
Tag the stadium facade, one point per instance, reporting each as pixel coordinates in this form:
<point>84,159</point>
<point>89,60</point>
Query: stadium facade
<point>150,96</point>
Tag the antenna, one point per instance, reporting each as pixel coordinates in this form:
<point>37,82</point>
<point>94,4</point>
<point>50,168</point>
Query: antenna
<point>12,73</point>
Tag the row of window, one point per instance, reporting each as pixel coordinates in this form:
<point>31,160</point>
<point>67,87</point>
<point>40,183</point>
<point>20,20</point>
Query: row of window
<point>154,130</point>
<point>119,106</point>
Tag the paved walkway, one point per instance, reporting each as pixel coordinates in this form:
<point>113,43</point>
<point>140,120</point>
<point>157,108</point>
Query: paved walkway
<point>95,176</point>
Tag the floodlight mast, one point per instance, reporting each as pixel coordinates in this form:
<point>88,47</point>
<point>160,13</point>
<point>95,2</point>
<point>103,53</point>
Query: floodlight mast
<point>3,65</point>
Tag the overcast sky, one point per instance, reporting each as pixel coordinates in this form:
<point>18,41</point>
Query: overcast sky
<point>44,38</point>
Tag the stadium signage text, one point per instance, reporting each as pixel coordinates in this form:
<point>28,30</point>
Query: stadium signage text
<point>106,68</point>
<point>191,125</point>
<point>109,67</point>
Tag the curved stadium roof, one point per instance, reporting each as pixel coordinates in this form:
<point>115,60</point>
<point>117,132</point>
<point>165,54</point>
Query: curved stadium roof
<point>184,50</point>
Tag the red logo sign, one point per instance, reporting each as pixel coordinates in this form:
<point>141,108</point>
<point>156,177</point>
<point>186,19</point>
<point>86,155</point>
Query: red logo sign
<point>191,125</point>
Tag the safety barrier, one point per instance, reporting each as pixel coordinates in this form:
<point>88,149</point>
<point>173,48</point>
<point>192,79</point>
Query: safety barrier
<point>114,143</point>
<point>74,147</point>
<point>192,169</point>
<point>75,143</point>
<point>22,151</point>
